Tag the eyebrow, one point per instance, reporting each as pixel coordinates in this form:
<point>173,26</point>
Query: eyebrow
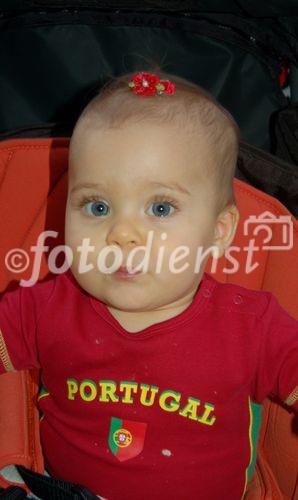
<point>85,185</point>
<point>174,186</point>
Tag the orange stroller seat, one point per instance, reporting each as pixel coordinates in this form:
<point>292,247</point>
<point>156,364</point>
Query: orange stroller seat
<point>33,175</point>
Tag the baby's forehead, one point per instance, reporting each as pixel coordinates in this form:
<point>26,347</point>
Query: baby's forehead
<point>140,152</point>
<point>144,135</point>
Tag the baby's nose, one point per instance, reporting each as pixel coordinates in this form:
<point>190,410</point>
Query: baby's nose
<point>124,234</point>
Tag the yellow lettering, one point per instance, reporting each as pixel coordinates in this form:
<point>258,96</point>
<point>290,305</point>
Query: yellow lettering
<point>168,400</point>
<point>144,392</point>
<point>90,395</point>
<point>128,388</point>
<point>172,406</point>
<point>190,410</point>
<point>72,385</point>
<point>204,419</point>
<point>108,388</point>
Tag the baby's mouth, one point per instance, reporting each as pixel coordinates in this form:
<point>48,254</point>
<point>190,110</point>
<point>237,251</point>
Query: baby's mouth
<point>123,270</point>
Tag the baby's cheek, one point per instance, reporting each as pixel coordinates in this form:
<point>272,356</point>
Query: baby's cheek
<point>72,240</point>
<point>77,230</point>
<point>91,252</point>
<point>189,252</point>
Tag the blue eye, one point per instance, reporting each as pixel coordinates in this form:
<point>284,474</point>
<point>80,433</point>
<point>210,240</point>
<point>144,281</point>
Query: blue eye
<point>97,208</point>
<point>161,208</point>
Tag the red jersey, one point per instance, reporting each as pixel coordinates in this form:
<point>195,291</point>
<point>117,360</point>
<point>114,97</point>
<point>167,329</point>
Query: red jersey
<point>167,412</point>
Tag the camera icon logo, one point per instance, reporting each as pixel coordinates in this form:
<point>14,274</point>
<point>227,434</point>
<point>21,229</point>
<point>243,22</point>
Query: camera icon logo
<point>278,230</point>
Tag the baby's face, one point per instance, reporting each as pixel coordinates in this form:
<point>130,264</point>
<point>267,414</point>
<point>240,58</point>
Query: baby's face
<point>127,184</point>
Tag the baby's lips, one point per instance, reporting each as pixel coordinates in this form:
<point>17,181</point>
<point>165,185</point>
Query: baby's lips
<point>124,269</point>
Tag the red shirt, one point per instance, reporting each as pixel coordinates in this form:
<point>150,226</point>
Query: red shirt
<point>167,412</point>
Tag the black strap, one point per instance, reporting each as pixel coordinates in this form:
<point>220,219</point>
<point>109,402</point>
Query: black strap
<point>49,488</point>
<point>12,493</point>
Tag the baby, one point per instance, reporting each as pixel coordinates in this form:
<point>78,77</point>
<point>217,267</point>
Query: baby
<point>150,373</point>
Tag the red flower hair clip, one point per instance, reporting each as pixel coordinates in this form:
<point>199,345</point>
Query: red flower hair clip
<point>149,84</point>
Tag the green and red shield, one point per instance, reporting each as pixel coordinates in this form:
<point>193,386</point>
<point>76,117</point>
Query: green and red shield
<point>126,438</point>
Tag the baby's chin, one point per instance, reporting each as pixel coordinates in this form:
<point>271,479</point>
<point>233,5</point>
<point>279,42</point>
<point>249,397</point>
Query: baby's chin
<point>143,293</point>
<point>130,299</point>
<point>127,302</point>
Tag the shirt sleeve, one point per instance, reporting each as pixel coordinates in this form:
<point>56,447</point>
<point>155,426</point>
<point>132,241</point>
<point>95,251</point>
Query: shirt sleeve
<point>20,310</point>
<point>277,364</point>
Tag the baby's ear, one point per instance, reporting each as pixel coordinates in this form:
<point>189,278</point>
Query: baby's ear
<point>225,229</point>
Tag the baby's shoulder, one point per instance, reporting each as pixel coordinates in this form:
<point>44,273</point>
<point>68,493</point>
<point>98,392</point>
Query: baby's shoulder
<point>58,289</point>
<point>240,299</point>
<point>37,293</point>
<point>41,291</point>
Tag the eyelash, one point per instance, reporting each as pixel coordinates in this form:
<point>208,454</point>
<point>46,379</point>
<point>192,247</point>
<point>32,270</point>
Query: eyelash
<point>87,199</point>
<point>155,199</point>
<point>165,199</point>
